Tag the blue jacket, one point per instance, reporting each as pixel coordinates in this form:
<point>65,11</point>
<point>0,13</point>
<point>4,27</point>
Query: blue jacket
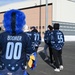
<point>35,38</point>
<point>57,39</point>
<point>14,50</point>
<point>47,36</point>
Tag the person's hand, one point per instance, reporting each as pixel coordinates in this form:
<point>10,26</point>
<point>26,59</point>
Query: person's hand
<point>32,61</point>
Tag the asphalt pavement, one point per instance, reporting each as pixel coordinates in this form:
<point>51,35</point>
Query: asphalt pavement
<point>44,67</point>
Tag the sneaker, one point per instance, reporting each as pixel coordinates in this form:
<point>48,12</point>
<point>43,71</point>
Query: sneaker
<point>61,67</point>
<point>46,58</point>
<point>57,70</point>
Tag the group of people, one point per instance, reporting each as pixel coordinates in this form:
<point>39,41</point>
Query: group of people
<point>19,48</point>
<point>54,40</point>
<point>35,37</point>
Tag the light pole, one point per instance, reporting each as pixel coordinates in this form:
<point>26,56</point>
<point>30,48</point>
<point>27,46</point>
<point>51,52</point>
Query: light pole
<point>40,17</point>
<point>46,18</point>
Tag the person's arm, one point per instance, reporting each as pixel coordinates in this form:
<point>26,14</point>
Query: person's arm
<point>0,46</point>
<point>39,38</point>
<point>45,37</point>
<point>31,54</point>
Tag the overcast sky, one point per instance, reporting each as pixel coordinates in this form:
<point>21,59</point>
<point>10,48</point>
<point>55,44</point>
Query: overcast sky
<point>4,2</point>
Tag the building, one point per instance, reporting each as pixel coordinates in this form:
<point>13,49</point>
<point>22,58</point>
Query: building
<point>63,12</point>
<point>38,13</point>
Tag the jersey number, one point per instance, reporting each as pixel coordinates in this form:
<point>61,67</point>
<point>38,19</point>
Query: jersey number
<point>60,39</point>
<point>13,50</point>
<point>36,36</point>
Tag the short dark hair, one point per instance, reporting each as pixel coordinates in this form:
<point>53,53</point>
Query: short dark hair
<point>33,27</point>
<point>56,25</point>
<point>50,27</point>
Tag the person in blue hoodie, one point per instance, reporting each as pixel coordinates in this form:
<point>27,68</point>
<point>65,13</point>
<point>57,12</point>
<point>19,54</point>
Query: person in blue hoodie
<point>48,43</point>
<point>35,38</point>
<point>57,42</point>
<point>15,45</point>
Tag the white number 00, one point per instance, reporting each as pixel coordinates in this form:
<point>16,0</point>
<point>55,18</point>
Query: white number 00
<point>13,50</point>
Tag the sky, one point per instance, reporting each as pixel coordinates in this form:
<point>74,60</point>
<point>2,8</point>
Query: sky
<point>5,2</point>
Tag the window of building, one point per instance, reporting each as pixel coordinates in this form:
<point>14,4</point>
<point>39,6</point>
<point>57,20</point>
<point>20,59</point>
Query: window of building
<point>43,27</point>
<point>39,27</point>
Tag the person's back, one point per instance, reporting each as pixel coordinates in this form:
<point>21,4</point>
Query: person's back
<point>15,45</point>
<point>35,38</point>
<point>14,49</point>
<point>57,39</point>
<point>57,43</point>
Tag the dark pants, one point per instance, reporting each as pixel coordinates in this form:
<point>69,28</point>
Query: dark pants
<point>51,54</point>
<point>36,49</point>
<point>57,54</point>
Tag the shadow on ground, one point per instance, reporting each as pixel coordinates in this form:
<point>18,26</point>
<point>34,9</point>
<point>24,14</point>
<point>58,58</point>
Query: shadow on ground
<point>42,55</point>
